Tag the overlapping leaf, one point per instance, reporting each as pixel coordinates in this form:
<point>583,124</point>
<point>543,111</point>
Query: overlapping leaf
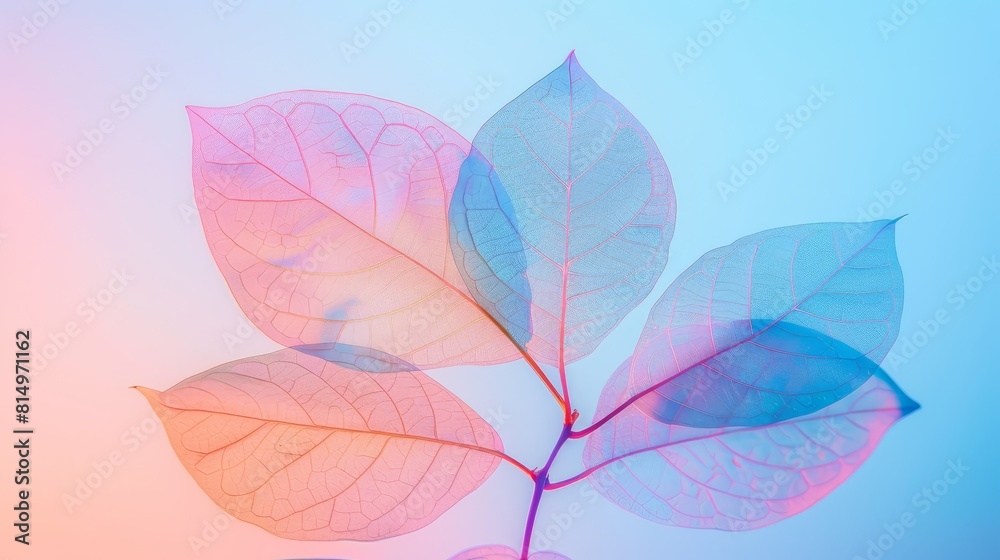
<point>499,552</point>
<point>562,215</point>
<point>328,216</point>
<point>779,324</point>
<point>738,478</point>
<point>311,449</point>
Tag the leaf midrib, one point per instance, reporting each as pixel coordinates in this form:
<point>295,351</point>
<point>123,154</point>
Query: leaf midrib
<point>753,336</point>
<point>440,278</point>
<point>490,451</point>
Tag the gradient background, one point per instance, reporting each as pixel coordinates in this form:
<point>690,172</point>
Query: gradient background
<point>127,206</point>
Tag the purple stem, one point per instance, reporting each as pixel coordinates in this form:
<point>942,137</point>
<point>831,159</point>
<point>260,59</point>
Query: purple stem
<point>616,458</point>
<point>541,481</point>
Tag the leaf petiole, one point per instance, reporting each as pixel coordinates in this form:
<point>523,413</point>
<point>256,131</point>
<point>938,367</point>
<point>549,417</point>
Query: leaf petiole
<point>541,484</point>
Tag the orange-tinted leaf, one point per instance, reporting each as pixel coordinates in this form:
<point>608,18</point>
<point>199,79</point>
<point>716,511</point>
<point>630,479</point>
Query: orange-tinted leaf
<point>312,450</point>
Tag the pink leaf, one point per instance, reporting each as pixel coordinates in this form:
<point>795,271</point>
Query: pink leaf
<point>499,552</point>
<point>308,449</point>
<point>737,478</point>
<point>327,213</point>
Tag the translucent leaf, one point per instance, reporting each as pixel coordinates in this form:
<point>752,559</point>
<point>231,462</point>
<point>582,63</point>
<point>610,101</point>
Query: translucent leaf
<point>562,215</point>
<point>779,324</point>
<point>787,371</point>
<point>356,357</point>
<point>308,449</point>
<point>738,478</point>
<point>327,213</point>
<point>499,552</point>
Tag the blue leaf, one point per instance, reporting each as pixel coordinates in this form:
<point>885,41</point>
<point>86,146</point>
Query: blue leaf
<point>563,215</point>
<point>779,324</point>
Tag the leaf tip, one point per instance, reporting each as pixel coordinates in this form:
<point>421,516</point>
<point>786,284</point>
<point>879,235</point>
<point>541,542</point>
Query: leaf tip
<point>152,395</point>
<point>572,64</point>
<point>908,406</point>
<point>196,113</point>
